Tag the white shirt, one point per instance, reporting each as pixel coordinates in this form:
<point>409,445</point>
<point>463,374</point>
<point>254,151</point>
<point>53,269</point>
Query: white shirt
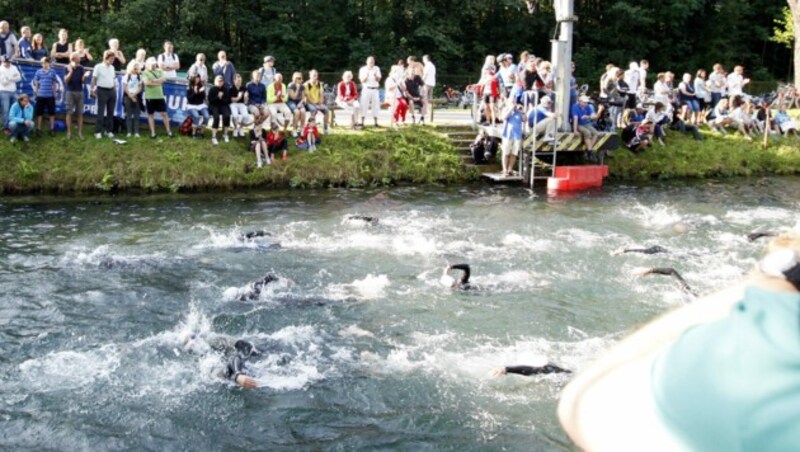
<point>9,76</point>
<point>632,79</point>
<point>509,75</point>
<point>717,82</point>
<point>735,84</point>
<point>199,69</point>
<point>700,89</point>
<point>370,76</point>
<point>643,78</point>
<point>11,44</point>
<point>104,75</point>
<point>429,74</point>
<point>168,60</point>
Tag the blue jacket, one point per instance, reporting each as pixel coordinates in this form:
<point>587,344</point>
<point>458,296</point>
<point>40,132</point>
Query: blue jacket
<point>18,114</point>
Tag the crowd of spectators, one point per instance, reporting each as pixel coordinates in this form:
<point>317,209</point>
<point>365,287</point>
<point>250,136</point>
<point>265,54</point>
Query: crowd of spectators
<point>217,99</point>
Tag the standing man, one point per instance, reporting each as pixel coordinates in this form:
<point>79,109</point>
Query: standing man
<point>736,82</point>
<point>154,79</point>
<point>45,88</point>
<point>718,84</point>
<point>168,61</point>
<point>429,77</point>
<point>8,42</point>
<point>224,68</point>
<point>644,65</point>
<point>370,76</point>
<point>9,77</point>
<point>25,44</point>
<point>104,79</point>
<point>198,68</point>
<point>315,99</point>
<point>75,78</point>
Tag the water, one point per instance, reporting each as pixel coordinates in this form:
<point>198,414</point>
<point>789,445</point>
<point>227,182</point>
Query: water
<point>97,294</point>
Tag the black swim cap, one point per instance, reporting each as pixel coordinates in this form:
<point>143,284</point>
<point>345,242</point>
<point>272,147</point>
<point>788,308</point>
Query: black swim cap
<point>245,348</point>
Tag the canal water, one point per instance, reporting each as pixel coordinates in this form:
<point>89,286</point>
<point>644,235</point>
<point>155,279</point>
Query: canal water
<point>364,344</point>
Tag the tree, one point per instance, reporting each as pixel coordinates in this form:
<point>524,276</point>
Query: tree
<point>790,23</point>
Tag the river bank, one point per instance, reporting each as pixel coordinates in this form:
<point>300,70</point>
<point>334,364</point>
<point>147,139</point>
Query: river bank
<point>415,155</point>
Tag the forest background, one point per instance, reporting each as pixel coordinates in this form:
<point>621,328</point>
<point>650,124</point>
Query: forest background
<point>334,35</point>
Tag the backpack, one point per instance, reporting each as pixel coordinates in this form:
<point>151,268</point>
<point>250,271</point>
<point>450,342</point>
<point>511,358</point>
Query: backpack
<point>186,126</point>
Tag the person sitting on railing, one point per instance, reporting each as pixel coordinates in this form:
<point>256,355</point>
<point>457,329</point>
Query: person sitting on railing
<point>20,119</point>
<point>315,99</point>
<point>276,101</point>
<point>239,115</point>
<point>583,114</point>
<point>783,122</point>
<point>196,105</point>
<point>219,105</point>
<point>543,120</point>
<point>544,79</point>
<point>257,99</point>
<point>347,98</point>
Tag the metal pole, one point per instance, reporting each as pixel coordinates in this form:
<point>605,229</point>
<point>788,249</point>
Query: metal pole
<point>562,57</point>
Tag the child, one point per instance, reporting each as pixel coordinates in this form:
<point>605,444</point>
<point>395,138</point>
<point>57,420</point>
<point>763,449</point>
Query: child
<point>310,137</point>
<point>276,141</point>
<point>46,87</point>
<point>258,144</point>
<point>512,136</point>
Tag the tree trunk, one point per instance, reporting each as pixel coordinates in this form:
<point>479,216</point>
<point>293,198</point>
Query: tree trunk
<point>794,5</point>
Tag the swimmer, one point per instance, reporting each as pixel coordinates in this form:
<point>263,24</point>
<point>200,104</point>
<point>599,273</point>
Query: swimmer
<point>531,370</point>
<point>463,282</point>
<point>652,250</point>
<point>753,236</point>
<point>235,367</point>
<point>369,220</point>
<point>255,234</point>
<point>669,271</point>
<point>254,291</point>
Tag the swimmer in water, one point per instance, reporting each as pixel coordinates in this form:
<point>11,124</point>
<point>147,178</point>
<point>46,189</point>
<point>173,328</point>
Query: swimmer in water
<point>753,236</point>
<point>531,370</point>
<point>652,250</point>
<point>255,234</point>
<point>235,368</point>
<point>369,220</point>
<point>668,271</point>
<point>463,282</point>
<point>254,291</point>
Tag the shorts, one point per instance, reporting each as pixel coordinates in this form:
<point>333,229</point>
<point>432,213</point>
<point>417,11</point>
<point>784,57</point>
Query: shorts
<point>257,110</point>
<point>74,103</point>
<point>294,107</point>
<point>510,146</point>
<point>156,106</point>
<point>313,108</point>
<point>588,132</point>
<point>45,105</point>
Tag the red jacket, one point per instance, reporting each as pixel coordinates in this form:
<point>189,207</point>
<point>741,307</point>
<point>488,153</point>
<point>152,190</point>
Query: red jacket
<point>342,90</point>
<point>308,129</point>
<point>275,138</point>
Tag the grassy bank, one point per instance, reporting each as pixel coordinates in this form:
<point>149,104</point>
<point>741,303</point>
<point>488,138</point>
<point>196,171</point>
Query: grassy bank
<point>55,165</point>
<point>715,156</point>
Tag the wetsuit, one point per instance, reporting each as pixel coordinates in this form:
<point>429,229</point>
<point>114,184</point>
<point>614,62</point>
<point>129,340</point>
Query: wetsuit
<point>669,271</point>
<point>255,288</point>
<point>370,220</point>
<point>254,234</point>
<point>530,370</point>
<point>462,283</point>
<point>652,250</point>
<point>753,236</point>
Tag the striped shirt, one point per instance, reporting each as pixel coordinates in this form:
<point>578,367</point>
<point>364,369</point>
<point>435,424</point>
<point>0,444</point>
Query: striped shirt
<point>47,82</point>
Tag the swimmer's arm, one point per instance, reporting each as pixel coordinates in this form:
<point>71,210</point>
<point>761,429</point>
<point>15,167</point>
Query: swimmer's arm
<point>529,370</point>
<point>577,397</point>
<point>245,381</point>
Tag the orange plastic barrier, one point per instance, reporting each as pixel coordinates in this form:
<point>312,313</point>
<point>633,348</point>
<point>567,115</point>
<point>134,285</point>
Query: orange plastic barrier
<point>569,178</point>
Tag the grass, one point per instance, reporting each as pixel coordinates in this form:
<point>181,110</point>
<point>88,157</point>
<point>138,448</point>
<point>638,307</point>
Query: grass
<point>370,158</point>
<point>715,156</point>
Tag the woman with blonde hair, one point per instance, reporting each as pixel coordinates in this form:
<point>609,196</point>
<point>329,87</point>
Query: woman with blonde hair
<point>347,97</point>
<point>133,88</point>
<point>38,47</point>
<point>85,56</point>
<point>62,49</point>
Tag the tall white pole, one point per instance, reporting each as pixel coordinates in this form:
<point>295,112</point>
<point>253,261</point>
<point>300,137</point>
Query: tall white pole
<point>562,58</point>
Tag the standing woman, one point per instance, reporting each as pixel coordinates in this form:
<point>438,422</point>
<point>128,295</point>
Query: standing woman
<point>119,59</point>
<point>38,47</point>
<point>703,94</point>
<point>196,104</point>
<point>239,115</point>
<point>86,58</point>
<point>62,49</point>
<point>141,59</point>
<point>132,87</point>
<point>219,102</point>
<point>688,99</point>
<point>392,88</point>
<point>297,103</point>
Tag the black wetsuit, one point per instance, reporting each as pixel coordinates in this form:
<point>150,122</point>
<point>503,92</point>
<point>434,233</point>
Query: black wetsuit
<point>462,283</point>
<point>753,236</point>
<point>530,370</point>
<point>255,288</point>
<point>669,271</point>
<point>366,219</point>
<point>652,250</point>
<point>236,365</point>
<point>254,234</point>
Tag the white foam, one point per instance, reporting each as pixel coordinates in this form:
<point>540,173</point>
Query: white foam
<point>760,215</point>
<point>354,331</point>
<point>370,288</point>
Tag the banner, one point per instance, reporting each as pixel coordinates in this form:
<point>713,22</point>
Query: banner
<point>174,92</point>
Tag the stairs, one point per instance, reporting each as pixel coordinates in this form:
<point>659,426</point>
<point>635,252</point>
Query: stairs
<point>462,136</point>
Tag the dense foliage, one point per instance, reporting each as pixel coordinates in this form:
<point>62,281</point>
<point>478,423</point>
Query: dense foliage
<point>332,35</point>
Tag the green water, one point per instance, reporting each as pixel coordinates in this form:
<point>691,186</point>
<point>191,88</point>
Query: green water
<point>369,348</point>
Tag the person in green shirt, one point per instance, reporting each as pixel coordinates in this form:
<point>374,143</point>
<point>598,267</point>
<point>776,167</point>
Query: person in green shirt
<point>154,79</point>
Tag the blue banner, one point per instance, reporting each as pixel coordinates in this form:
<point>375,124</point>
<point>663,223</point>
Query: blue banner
<point>174,91</point>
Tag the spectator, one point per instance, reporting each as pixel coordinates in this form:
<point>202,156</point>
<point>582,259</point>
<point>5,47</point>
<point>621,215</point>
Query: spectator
<point>75,80</point>
<point>276,100</point>
<point>413,92</point>
<point>680,125</point>
<point>257,98</point>
<point>20,119</point>
<point>347,97</point>
<point>544,79</point>
<point>309,138</point>
<point>644,66</point>
<point>784,123</point>
<point>512,135</point>
<point>523,61</point>
<point>638,136</point>
<point>740,116</point>
<point>662,92</point>
<point>632,80</point>
<point>38,48</point>
<point>239,116</point>
<point>370,76</point>
<point>119,61</point>
<point>132,88</point>
<point>224,68</point>
<point>63,48</point>
<point>154,79</point>
<point>507,73</point>
<point>583,114</point>
<point>45,88</point>
<point>415,66</point>
<point>9,77</point>
<point>199,68</point>
<point>296,100</point>
<point>104,78</point>
<point>258,144</point>
<point>737,82</point>
<point>543,120</point>
<point>489,91</point>
<point>392,88</point>
<point>660,117</point>
<point>196,105</point>
<point>573,87</point>
<point>315,99</point>
<point>717,84</point>
<point>8,42</point>
<point>702,94</point>
<point>719,118</point>
<point>277,142</point>
<point>168,61</point>
<point>219,104</point>
<point>429,78</point>
<point>489,64</point>
<point>267,73</point>
<point>688,100</point>
<point>528,75</point>
<point>25,43</point>
<point>141,59</point>
<point>85,56</point>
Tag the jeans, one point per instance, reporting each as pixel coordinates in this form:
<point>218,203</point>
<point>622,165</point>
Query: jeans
<point>132,112</point>
<point>715,98</point>
<point>19,129</point>
<point>106,101</point>
<point>7,99</point>
<point>196,114</point>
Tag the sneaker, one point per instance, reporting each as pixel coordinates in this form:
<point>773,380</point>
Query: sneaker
<point>128,135</point>
<point>225,137</point>
<point>69,136</point>
<point>294,134</point>
<point>137,135</point>
<point>110,135</point>
<point>259,164</point>
<point>80,136</point>
<point>13,139</point>
<point>214,141</point>
<point>26,139</point>
<point>170,134</point>
<point>153,136</point>
<point>98,136</point>
<point>325,131</point>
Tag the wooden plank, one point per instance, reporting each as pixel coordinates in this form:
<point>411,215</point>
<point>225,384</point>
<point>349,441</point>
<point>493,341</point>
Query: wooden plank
<point>500,177</point>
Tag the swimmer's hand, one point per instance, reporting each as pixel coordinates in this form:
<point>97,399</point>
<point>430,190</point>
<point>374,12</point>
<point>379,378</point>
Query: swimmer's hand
<point>618,251</point>
<point>641,271</point>
<point>499,372</point>
<point>246,382</point>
